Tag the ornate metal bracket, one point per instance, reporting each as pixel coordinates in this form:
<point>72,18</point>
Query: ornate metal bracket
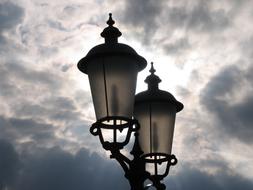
<point>116,124</point>
<point>135,169</point>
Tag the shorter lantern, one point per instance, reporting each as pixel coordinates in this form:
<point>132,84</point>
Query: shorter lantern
<point>156,112</point>
<point>112,69</point>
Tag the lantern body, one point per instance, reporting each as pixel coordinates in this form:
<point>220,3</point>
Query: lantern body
<point>157,121</point>
<point>112,69</point>
<point>113,82</point>
<point>156,110</point>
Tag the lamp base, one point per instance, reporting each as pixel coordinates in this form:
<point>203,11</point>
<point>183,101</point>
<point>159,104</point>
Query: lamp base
<point>156,160</point>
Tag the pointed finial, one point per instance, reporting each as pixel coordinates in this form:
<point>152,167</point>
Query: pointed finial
<point>152,70</point>
<point>152,80</point>
<point>136,151</point>
<point>110,21</point>
<point>111,33</point>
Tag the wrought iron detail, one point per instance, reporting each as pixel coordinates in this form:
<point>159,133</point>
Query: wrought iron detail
<point>135,169</point>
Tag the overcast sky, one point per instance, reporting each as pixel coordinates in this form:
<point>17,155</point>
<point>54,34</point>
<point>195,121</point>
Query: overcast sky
<point>202,51</point>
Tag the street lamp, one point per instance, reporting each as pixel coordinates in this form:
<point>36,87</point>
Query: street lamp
<point>156,110</point>
<point>112,69</point>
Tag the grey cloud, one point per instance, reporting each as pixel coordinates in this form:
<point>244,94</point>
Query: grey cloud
<point>47,51</point>
<point>9,164</point>
<point>57,25</point>
<point>24,34</point>
<point>71,9</point>
<point>12,70</point>
<point>143,14</point>
<point>138,11</point>
<point>7,87</point>
<point>194,178</point>
<point>10,15</point>
<point>66,67</point>
<point>246,48</point>
<point>153,17</point>
<point>48,109</point>
<point>183,91</point>
<point>234,118</point>
<point>61,102</point>
<point>178,47</point>
<point>66,116</point>
<point>32,93</point>
<point>21,85</point>
<point>37,110</point>
<point>203,19</point>
<point>38,124</point>
<point>57,169</point>
<point>198,17</point>
<point>37,113</point>
<point>15,130</point>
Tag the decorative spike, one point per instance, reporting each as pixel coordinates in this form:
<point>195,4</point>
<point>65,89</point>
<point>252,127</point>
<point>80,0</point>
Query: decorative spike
<point>111,33</point>
<point>136,151</point>
<point>152,80</point>
<point>110,22</point>
<point>152,70</point>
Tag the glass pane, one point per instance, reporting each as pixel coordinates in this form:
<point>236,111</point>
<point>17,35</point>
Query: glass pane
<point>157,121</point>
<point>113,82</point>
<point>156,168</point>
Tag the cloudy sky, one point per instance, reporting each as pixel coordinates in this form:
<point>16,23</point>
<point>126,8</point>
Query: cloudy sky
<point>202,51</point>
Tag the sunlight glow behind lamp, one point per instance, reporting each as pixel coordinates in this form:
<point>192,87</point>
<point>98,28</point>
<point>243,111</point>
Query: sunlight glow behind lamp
<point>112,69</point>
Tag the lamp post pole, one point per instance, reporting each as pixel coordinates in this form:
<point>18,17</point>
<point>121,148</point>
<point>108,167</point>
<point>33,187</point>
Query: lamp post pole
<point>112,69</point>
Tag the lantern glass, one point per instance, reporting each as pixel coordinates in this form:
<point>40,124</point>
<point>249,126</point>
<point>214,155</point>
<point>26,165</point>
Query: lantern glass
<point>157,120</point>
<point>113,83</point>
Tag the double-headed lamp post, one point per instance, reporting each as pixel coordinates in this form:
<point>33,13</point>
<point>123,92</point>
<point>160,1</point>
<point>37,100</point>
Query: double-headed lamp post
<point>112,69</point>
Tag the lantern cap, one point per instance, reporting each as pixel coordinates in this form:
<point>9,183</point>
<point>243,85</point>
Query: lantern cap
<point>111,33</point>
<point>111,47</point>
<point>154,94</point>
<point>152,80</point>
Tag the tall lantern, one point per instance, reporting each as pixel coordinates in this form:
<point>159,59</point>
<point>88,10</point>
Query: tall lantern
<point>156,110</point>
<point>112,69</point>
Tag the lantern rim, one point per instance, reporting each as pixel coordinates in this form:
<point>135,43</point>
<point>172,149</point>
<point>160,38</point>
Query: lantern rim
<point>114,49</point>
<point>160,157</point>
<point>131,125</point>
<point>158,95</point>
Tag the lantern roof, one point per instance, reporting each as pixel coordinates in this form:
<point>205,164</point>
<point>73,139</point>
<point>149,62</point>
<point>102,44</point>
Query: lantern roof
<point>154,94</point>
<point>111,47</point>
